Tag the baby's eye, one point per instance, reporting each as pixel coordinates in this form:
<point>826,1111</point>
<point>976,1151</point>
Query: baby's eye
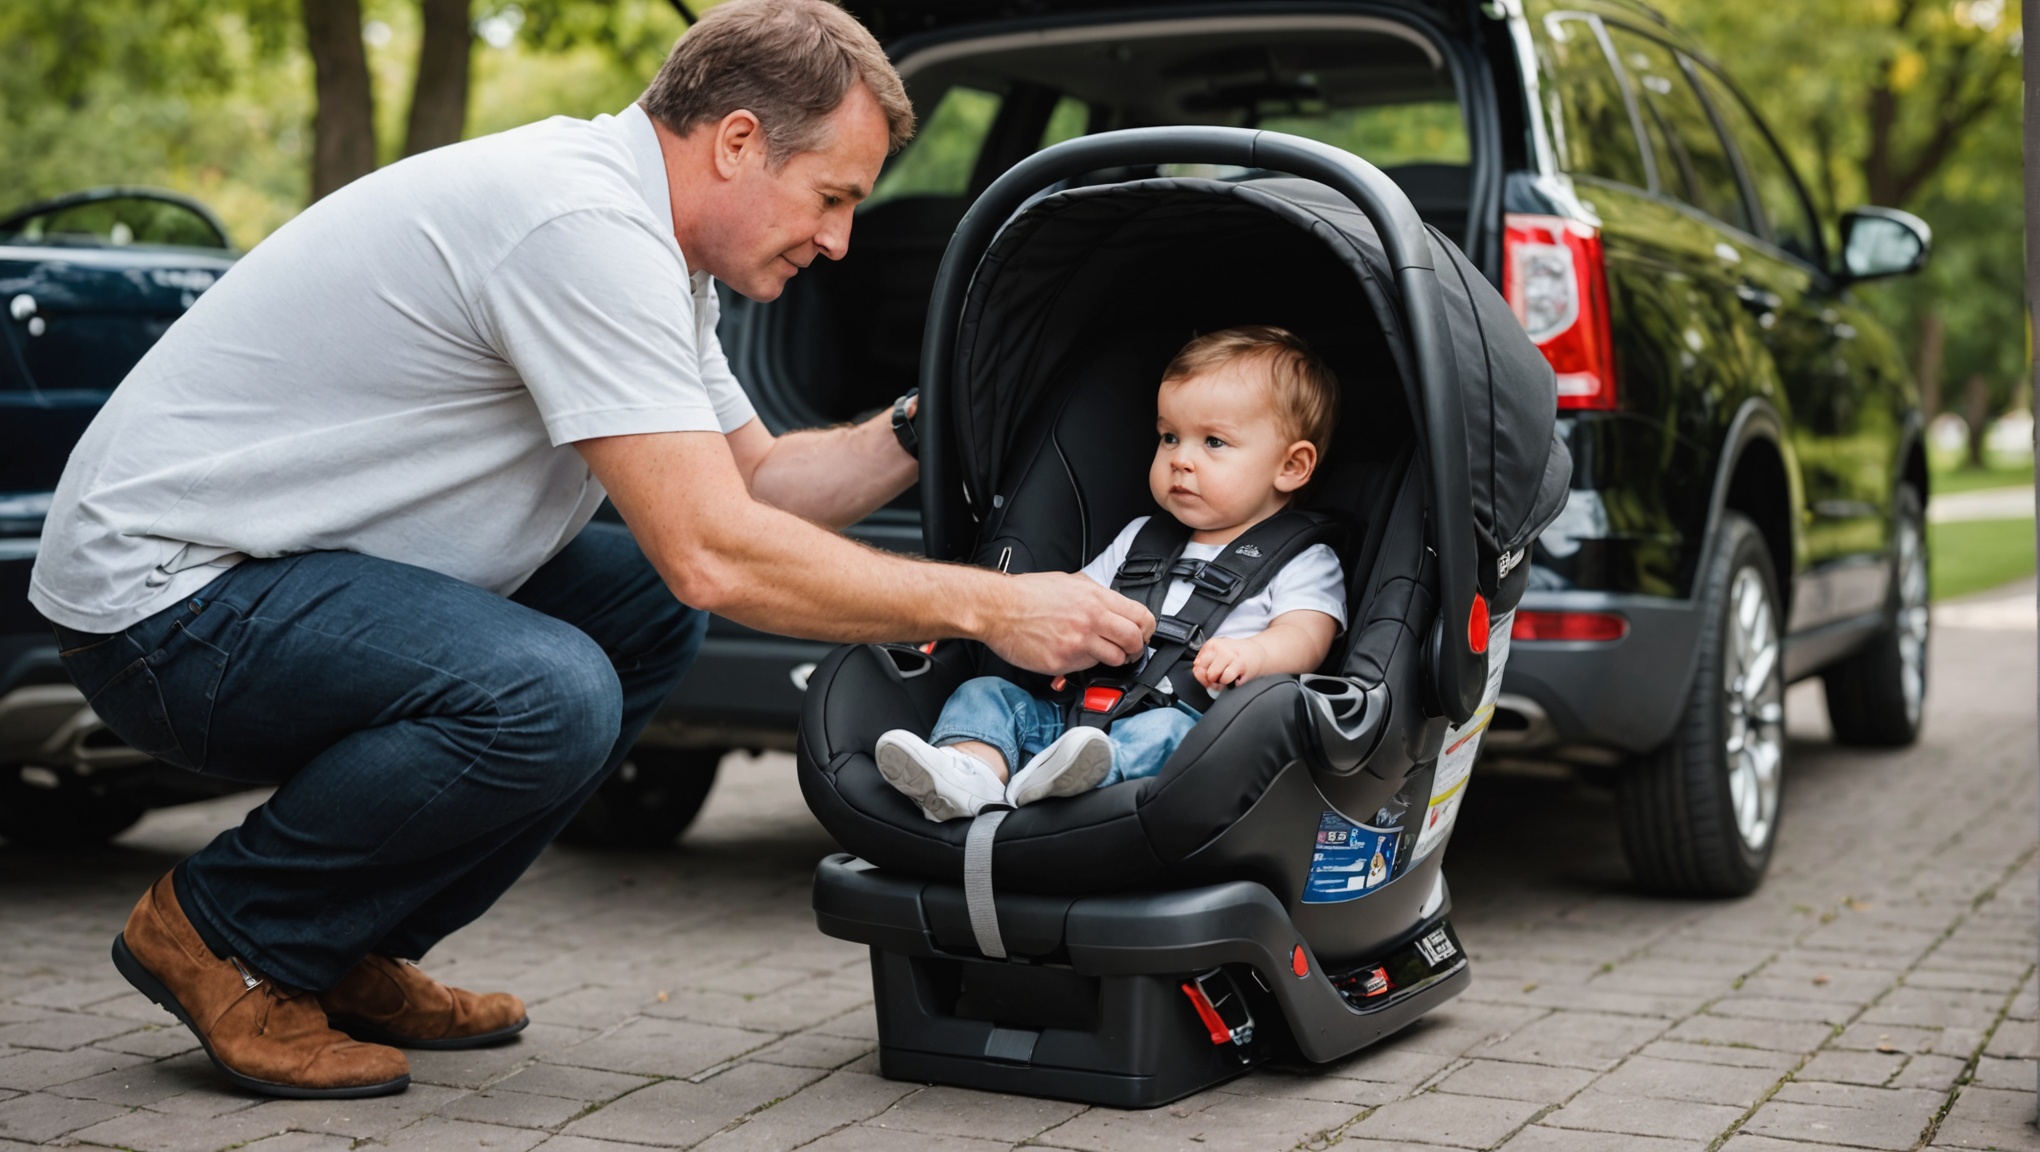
<point>1213,442</point>
<point>1169,438</point>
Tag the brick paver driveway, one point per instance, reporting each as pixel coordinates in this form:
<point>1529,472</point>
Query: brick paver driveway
<point>1877,993</point>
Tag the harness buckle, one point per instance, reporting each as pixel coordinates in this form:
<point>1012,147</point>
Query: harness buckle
<point>1175,631</point>
<point>1220,583</point>
<point>1101,698</point>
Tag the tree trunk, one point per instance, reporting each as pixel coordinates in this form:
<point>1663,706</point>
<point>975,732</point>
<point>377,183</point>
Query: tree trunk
<point>1976,410</point>
<point>439,99</point>
<point>1933,340</point>
<point>343,129</point>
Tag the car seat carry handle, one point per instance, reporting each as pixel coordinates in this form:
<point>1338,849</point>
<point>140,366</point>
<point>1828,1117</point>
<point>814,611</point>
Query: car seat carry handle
<point>1460,673</point>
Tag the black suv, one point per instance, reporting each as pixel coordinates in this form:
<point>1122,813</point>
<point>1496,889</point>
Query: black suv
<point>1749,480</point>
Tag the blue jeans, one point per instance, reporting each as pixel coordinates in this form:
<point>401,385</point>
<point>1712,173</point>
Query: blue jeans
<point>427,738</point>
<point>1019,724</point>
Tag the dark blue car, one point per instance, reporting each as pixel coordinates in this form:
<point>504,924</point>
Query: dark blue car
<point>89,281</point>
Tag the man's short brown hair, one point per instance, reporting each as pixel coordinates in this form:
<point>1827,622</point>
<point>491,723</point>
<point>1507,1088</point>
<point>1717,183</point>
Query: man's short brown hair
<point>1305,392</point>
<point>788,62</point>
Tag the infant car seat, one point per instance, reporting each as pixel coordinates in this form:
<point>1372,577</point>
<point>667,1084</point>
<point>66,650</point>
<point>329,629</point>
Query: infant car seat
<point>1277,887</point>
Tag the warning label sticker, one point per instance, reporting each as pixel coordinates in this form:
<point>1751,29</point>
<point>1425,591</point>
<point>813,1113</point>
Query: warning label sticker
<point>1350,860</point>
<point>1462,745</point>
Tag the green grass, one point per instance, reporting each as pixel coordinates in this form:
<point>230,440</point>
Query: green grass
<point>1946,483</point>
<point>1972,555</point>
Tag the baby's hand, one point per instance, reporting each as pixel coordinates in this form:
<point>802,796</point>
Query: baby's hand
<point>1223,663</point>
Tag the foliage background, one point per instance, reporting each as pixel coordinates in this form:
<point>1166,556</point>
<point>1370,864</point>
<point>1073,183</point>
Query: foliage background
<point>215,98</point>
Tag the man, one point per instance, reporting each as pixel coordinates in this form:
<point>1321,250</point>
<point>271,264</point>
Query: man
<point>332,533</point>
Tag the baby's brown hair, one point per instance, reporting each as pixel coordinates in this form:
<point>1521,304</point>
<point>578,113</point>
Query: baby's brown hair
<point>1305,391</point>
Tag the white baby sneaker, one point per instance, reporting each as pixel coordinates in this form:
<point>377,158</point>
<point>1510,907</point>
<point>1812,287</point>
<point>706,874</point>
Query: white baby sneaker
<point>1075,763</point>
<point>947,784</point>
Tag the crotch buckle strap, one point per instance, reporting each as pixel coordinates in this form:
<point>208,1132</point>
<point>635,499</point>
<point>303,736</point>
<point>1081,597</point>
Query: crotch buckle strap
<point>977,882</point>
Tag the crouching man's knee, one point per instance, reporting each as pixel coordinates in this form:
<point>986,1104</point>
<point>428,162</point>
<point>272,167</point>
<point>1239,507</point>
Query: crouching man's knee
<point>562,720</point>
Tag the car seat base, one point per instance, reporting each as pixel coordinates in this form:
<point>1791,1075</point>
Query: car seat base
<point>1099,999</point>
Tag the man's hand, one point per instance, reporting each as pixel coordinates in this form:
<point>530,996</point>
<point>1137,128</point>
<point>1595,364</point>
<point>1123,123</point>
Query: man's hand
<point>1060,622</point>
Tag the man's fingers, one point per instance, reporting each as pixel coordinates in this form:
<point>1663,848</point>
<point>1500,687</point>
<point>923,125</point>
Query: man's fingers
<point>1125,635</point>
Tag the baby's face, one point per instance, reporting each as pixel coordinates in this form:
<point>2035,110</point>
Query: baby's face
<point>1224,459</point>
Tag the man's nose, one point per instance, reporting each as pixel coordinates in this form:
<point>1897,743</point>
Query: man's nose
<point>833,240</point>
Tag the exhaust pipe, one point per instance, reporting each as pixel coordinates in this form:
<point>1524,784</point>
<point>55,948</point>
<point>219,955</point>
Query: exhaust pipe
<point>52,726</point>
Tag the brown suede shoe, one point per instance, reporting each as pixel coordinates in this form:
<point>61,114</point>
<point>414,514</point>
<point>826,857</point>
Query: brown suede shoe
<point>391,1001</point>
<point>261,1035</point>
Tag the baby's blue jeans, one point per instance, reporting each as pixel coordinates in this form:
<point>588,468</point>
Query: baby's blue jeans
<point>1020,724</point>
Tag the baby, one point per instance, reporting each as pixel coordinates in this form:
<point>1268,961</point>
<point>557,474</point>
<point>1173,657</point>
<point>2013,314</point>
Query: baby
<point>1244,416</point>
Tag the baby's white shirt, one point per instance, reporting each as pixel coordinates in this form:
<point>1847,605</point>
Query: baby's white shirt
<point>1312,580</point>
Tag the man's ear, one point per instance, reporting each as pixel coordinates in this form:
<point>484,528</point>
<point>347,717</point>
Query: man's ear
<point>738,134</point>
<point>1297,465</point>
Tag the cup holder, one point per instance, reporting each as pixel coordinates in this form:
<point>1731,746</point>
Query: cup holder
<point>1346,718</point>
<point>1342,698</point>
<point>906,661</point>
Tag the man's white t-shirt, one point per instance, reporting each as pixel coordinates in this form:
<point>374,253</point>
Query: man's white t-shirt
<point>400,372</point>
<point>1314,579</point>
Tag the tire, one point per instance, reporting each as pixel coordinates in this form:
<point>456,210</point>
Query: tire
<point>56,808</point>
<point>1700,815</point>
<point>1875,698</point>
<point>651,798</point>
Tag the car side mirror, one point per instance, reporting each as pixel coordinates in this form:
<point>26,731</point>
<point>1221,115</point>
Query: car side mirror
<point>1880,242</point>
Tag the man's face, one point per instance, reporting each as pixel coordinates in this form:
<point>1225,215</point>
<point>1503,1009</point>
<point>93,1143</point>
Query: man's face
<point>775,221</point>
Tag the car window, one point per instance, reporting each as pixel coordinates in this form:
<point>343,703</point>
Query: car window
<point>1692,163</point>
<point>115,222</point>
<point>1386,135</point>
<point>943,153</point>
<point>1590,119</point>
<point>1790,221</point>
<point>1070,119</point>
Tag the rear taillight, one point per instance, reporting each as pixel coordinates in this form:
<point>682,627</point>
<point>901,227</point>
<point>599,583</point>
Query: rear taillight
<point>1577,626</point>
<point>1555,281</point>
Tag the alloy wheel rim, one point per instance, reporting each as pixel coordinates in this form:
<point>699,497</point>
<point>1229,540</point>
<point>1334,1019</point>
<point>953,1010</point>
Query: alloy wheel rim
<point>1753,686</point>
<point>1912,618</point>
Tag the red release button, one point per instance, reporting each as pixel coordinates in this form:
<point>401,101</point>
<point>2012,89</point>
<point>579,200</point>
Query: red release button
<point>1102,699</point>
<point>1298,962</point>
<point>1477,624</point>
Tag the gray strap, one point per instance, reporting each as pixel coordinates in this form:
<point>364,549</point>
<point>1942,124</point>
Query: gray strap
<point>977,882</point>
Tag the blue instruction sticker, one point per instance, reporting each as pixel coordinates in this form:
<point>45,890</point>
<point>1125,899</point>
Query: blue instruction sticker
<point>1350,860</point>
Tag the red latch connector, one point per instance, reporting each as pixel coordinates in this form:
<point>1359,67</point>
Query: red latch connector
<point>1220,1034</point>
<point>1221,1008</point>
<point>1298,962</point>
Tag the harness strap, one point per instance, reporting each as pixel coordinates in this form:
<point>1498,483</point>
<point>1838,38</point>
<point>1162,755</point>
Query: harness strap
<point>1154,561</point>
<point>977,881</point>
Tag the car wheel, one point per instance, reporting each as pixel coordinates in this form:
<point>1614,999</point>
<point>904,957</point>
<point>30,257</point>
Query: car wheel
<point>53,808</point>
<point>648,801</point>
<point>1699,815</point>
<point>1875,698</point>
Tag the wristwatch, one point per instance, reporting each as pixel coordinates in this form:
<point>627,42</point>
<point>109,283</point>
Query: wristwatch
<point>903,424</point>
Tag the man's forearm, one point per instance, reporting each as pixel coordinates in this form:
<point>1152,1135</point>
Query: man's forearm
<point>835,476</point>
<point>720,549</point>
